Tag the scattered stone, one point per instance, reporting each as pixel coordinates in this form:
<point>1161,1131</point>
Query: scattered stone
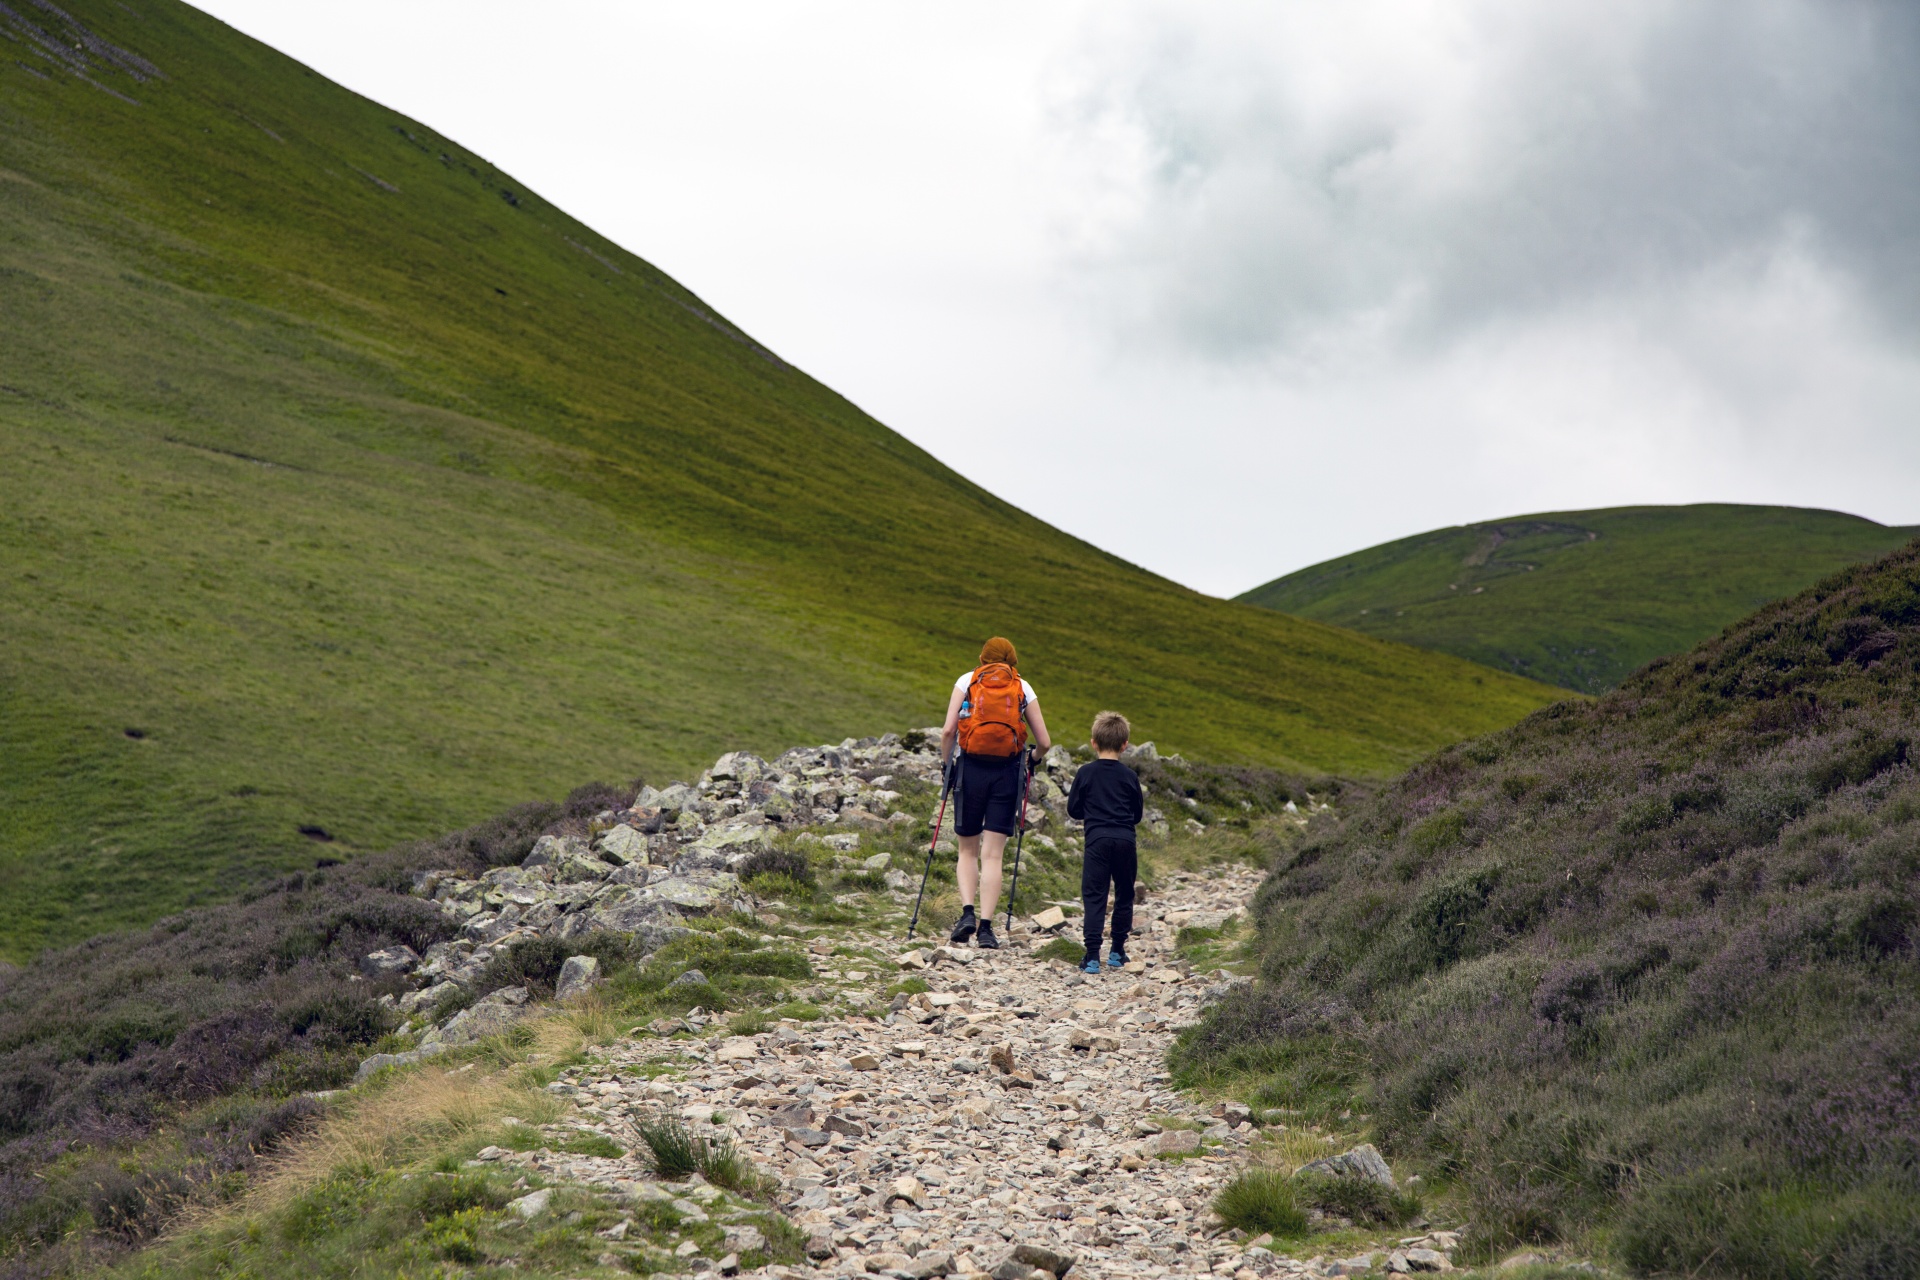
<point>737,1049</point>
<point>1044,1257</point>
<point>688,978</point>
<point>929,1264</point>
<point>1176,1142</point>
<point>1051,918</point>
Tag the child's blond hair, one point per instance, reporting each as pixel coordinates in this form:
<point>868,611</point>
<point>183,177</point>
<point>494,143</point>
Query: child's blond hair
<point>1111,731</point>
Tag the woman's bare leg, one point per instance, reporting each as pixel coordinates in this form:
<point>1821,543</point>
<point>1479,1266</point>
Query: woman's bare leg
<point>967,870</point>
<point>992,846</point>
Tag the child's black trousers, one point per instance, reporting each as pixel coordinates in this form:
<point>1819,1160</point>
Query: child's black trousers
<point>1114,862</point>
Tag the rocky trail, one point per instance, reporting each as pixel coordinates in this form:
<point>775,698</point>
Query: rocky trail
<point>940,1110</point>
<point>1015,1117</point>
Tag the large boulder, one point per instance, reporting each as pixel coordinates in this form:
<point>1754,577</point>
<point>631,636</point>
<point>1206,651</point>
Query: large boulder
<point>737,766</point>
<point>380,1061</point>
<point>623,845</point>
<point>670,801</point>
<point>549,850</point>
<point>1364,1162</point>
<point>490,1017</point>
<point>579,975</point>
<point>378,964</point>
<point>741,837</point>
<point>651,924</point>
<point>702,894</point>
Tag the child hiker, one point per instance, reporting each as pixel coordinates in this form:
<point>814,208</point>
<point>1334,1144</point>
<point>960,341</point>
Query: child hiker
<point>1107,798</point>
<point>987,719</point>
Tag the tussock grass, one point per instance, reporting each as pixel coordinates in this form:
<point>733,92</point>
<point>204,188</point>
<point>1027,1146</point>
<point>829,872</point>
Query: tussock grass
<point>410,1116</point>
<point>672,1147</point>
<point>1261,1200</point>
<point>676,1150</point>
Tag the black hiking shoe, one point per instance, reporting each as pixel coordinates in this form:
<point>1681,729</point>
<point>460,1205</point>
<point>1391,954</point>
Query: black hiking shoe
<point>965,929</point>
<point>985,939</point>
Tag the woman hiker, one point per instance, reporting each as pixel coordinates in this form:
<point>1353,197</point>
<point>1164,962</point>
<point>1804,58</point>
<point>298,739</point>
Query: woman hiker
<point>987,718</point>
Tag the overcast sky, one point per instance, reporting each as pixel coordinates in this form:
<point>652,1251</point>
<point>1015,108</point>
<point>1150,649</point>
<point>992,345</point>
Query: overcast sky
<point>1231,288</point>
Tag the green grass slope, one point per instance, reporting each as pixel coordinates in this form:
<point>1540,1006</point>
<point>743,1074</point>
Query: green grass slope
<point>1580,598</point>
<point>1642,972</point>
<point>350,486</point>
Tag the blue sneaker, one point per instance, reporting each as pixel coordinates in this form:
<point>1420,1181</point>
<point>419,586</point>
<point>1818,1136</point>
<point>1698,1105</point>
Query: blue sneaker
<point>1116,960</point>
<point>1090,966</point>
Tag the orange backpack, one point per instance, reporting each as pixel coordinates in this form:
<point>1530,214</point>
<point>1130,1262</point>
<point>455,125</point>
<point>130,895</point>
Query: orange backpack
<point>991,725</point>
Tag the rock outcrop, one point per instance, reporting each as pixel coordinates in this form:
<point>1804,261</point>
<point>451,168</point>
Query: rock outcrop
<point>676,853</point>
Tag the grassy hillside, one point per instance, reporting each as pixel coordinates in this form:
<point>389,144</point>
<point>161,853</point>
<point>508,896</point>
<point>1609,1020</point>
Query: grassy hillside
<point>1643,970</point>
<point>1579,598</point>
<point>353,489</point>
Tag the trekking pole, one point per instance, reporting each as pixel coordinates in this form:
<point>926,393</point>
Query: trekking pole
<point>1013,889</point>
<point>947,773</point>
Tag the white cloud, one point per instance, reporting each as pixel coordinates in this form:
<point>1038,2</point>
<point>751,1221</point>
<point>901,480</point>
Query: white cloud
<point>1307,175</point>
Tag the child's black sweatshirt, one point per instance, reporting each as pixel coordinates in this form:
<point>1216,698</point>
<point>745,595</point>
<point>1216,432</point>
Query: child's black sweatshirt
<point>1106,796</point>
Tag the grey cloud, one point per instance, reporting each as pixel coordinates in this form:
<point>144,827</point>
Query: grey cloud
<point>1296,181</point>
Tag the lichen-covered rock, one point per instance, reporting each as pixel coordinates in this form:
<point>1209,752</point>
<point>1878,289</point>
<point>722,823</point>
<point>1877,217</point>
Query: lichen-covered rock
<point>737,766</point>
<point>1364,1161</point>
<point>488,1018</point>
<point>548,849</point>
<point>623,844</point>
<point>400,959</point>
<point>698,894</point>
<point>579,975</point>
<point>742,836</point>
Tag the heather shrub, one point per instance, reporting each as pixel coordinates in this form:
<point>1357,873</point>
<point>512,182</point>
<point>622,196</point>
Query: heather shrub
<point>1647,961</point>
<point>786,863</point>
<point>1749,1224</point>
<point>1359,1200</point>
<point>144,1072</point>
<point>535,963</point>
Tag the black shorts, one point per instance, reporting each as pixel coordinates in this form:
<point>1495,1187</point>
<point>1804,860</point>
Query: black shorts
<point>989,795</point>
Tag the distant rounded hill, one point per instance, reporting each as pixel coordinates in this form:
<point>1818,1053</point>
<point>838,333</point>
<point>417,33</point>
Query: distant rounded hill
<point>1580,598</point>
